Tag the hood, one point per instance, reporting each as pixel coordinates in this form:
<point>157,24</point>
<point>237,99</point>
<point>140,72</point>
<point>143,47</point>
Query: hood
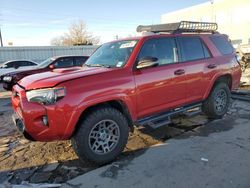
<point>52,78</point>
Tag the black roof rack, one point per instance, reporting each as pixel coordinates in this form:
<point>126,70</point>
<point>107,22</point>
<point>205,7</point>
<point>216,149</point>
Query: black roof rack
<point>180,27</point>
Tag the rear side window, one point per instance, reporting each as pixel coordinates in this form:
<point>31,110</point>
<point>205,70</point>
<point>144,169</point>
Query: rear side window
<point>30,63</point>
<point>222,44</point>
<point>79,61</point>
<point>192,48</point>
<point>206,51</point>
<point>25,63</point>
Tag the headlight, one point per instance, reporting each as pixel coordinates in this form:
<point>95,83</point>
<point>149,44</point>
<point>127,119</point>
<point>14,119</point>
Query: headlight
<point>46,96</point>
<point>7,78</point>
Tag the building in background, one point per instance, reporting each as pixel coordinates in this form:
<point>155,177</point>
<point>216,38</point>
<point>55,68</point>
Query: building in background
<point>232,17</point>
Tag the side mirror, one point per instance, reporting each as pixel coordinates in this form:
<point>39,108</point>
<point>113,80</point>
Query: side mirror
<point>147,62</point>
<point>52,66</point>
<point>3,67</point>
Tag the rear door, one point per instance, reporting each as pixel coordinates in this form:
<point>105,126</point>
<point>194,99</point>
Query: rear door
<point>163,87</point>
<point>196,57</point>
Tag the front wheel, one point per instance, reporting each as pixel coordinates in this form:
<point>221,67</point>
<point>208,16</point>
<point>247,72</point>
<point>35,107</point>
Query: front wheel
<point>216,105</point>
<point>102,136</point>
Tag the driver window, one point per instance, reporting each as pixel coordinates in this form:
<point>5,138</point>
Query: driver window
<point>164,49</point>
<point>64,62</point>
<point>10,65</point>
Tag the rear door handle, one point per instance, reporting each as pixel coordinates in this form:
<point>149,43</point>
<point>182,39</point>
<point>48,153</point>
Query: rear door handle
<point>179,72</point>
<point>212,66</point>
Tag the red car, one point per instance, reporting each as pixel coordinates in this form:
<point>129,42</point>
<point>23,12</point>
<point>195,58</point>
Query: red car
<point>13,77</point>
<point>136,81</point>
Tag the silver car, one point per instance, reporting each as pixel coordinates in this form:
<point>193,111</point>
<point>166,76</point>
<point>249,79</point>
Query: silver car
<point>14,65</point>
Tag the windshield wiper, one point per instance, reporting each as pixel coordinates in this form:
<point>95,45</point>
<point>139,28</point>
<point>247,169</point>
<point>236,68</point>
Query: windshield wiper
<point>97,65</point>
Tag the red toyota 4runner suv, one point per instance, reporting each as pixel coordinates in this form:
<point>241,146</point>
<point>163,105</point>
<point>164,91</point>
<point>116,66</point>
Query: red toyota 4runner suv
<point>137,81</point>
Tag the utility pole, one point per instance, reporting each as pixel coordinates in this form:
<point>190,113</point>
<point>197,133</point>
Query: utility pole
<point>1,39</point>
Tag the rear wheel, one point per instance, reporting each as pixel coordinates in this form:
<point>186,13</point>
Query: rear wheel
<point>102,136</point>
<point>216,105</point>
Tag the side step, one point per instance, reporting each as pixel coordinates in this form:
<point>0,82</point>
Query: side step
<point>163,119</point>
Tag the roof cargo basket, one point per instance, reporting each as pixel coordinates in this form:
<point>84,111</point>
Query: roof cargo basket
<point>180,27</point>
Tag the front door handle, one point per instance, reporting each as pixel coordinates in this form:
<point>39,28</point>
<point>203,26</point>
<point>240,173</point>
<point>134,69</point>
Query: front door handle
<point>212,66</point>
<point>179,72</point>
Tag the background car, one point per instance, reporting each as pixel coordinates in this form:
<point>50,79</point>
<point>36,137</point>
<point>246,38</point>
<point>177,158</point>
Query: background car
<point>13,65</point>
<point>12,78</point>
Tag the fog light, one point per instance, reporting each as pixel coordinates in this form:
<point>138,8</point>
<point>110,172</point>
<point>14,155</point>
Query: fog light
<point>45,120</point>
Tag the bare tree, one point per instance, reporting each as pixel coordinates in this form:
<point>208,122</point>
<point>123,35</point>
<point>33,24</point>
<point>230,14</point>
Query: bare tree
<point>77,35</point>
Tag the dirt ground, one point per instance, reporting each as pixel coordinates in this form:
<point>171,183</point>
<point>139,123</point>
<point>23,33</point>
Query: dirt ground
<point>56,162</point>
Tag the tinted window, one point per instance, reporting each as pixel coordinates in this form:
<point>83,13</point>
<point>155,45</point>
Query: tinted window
<point>64,62</point>
<point>30,63</point>
<point>79,61</point>
<point>206,51</point>
<point>25,63</point>
<point>222,44</point>
<point>191,48</point>
<point>162,48</point>
<point>10,65</point>
<point>18,64</point>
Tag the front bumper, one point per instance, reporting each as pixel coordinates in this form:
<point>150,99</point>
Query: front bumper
<point>29,118</point>
<point>21,127</point>
<point>19,123</point>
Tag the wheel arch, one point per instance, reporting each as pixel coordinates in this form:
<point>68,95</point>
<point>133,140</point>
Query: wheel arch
<point>225,78</point>
<point>117,104</point>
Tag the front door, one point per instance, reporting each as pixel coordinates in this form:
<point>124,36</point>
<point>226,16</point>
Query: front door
<point>162,87</point>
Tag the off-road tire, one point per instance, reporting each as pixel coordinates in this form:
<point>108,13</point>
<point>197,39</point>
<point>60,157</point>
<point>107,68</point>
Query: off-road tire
<point>210,106</point>
<point>80,139</point>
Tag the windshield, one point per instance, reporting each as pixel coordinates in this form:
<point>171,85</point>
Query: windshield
<point>46,63</point>
<point>114,54</point>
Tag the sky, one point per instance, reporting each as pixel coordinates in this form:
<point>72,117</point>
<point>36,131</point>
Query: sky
<point>36,22</point>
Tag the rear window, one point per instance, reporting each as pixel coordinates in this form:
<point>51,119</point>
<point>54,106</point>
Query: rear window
<point>79,61</point>
<point>192,48</point>
<point>222,44</point>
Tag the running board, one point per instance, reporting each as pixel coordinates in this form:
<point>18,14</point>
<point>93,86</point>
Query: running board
<point>163,119</point>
